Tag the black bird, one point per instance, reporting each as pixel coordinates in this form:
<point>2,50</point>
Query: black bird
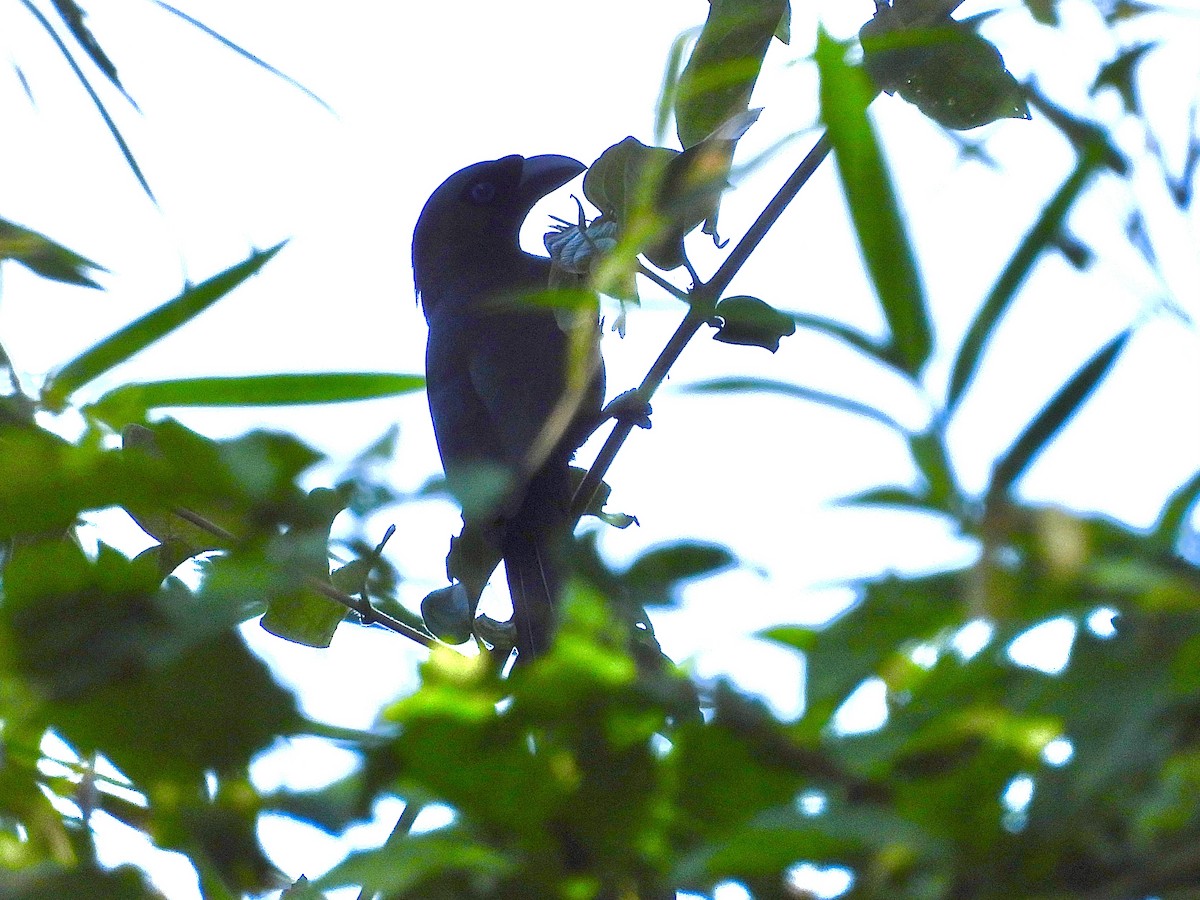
<point>514,387</point>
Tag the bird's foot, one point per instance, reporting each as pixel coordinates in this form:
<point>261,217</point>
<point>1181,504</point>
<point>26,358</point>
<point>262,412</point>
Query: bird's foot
<point>630,407</point>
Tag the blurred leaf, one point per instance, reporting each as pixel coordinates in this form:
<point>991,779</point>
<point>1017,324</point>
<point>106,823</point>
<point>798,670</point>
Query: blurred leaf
<point>657,575</point>
<point>448,614</point>
<point>670,86</point>
<point>1119,74</point>
<point>1172,521</point>
<point>863,343</point>
<point>301,614</point>
<point>845,94</point>
<point>96,101</point>
<point>738,385</point>
<point>1053,416</point>
<point>1043,11</point>
<point>929,453</point>
<point>943,67</point>
<point>402,868</point>
<point>140,334</point>
<point>91,881</point>
<point>890,497</point>
<point>1092,142</point>
<point>73,16</point>
<point>724,64</point>
<point>131,402</point>
<point>1041,236</point>
<point>246,54</point>
<point>44,257</point>
<point>753,323</point>
<point>154,679</point>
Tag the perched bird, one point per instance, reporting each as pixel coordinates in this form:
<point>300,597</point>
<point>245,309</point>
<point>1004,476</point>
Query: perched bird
<point>514,386</point>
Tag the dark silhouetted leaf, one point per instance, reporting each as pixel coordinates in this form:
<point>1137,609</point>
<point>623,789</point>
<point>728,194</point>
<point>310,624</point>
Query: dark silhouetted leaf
<point>753,323</point>
<point>720,74</point>
<point>945,68</point>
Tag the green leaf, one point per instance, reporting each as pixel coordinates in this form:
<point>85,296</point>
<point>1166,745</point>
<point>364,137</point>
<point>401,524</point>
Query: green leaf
<point>1043,11</point>
<point>96,101</point>
<point>154,679</point>
<point>656,576</point>
<point>44,257</point>
<point>1039,238</point>
<point>1171,522</point>
<point>1119,74</point>
<point>945,68</point>
<point>739,384</point>
<point>1054,415</point>
<point>448,614</point>
<point>131,402</point>
<point>863,343</point>
<point>720,74</point>
<point>139,335</point>
<point>1090,140</point>
<point>845,93</point>
<point>302,615</point>
<point>751,322</point>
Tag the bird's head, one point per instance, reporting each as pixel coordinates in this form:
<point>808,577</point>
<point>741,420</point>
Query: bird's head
<point>470,227</point>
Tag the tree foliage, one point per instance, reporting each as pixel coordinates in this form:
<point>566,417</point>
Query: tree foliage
<point>603,770</point>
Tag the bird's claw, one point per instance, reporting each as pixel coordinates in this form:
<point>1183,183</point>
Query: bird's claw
<point>630,407</point>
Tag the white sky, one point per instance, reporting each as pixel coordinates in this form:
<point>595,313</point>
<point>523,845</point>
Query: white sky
<point>239,160</point>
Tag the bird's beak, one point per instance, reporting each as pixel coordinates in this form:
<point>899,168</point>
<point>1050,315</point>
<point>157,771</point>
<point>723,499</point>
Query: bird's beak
<point>542,174</point>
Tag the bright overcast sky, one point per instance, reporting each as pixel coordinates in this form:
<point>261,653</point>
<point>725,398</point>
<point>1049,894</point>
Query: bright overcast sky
<point>239,160</point>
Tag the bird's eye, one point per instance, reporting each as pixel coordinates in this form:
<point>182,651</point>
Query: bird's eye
<point>482,192</point>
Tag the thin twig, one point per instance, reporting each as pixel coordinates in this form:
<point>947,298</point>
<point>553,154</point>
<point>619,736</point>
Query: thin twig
<point>324,588</point>
<point>701,299</point>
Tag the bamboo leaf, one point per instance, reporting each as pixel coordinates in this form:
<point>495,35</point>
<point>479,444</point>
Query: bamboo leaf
<point>138,335</point>
<point>1054,415</point>
<point>740,384</point>
<point>130,402</point>
<point>845,93</point>
<point>96,101</point>
<point>1041,237</point>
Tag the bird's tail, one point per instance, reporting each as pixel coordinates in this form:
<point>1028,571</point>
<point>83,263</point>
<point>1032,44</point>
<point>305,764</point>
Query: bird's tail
<point>534,548</point>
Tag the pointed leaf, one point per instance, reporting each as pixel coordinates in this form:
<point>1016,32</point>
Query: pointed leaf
<point>73,16</point>
<point>739,384</point>
<point>138,335</point>
<point>1045,230</point>
<point>860,341</point>
<point>720,74</point>
<point>846,92</point>
<point>1054,415</point>
<point>44,257</point>
<point>131,402</point>
<point>1170,526</point>
<point>1119,74</point>
<point>96,101</point>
